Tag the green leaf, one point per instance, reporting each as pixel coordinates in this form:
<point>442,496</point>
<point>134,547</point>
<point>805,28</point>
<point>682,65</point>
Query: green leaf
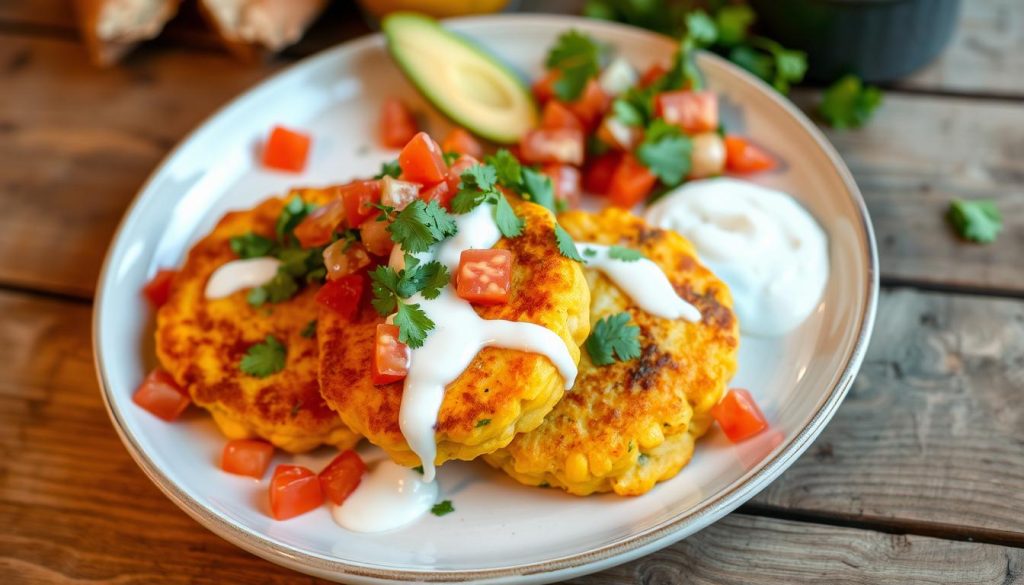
<point>754,61</point>
<point>251,245</point>
<point>413,324</point>
<point>627,112</point>
<point>257,296</point>
<point>624,254</point>
<point>507,169</point>
<point>263,359</point>
<point>537,186</point>
<point>701,28</point>
<point>566,245</point>
<point>509,224</point>
<point>309,331</point>
<point>294,211</point>
<point>383,285</point>
<point>599,9</point>
<point>733,23</point>
<point>483,422</point>
<point>467,200</point>
<point>578,58</point>
<point>666,152</point>
<point>847,103</point>
<point>790,67</point>
<point>421,225</point>
<point>428,278</point>
<point>389,169</point>
<point>613,338</point>
<point>451,157</point>
<point>442,508</point>
<point>978,220</point>
<point>482,177</point>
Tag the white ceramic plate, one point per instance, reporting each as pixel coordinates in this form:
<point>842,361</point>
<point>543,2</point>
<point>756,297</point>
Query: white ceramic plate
<point>501,531</point>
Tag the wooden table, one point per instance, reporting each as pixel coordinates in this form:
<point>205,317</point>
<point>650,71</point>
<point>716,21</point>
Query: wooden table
<point>919,478</point>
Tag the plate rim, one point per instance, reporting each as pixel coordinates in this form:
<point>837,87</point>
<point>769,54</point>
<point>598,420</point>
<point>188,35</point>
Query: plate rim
<point>625,549</point>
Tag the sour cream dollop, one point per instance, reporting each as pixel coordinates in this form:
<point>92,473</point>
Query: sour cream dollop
<point>388,497</point>
<point>761,242</point>
<point>239,275</point>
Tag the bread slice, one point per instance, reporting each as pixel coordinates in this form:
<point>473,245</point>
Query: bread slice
<point>252,28</point>
<point>111,28</point>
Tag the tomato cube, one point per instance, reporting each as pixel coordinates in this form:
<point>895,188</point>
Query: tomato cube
<point>341,477</point>
<point>566,181</point>
<point>441,192</point>
<point>693,111</point>
<point>397,124</point>
<point>422,160</point>
<point>345,257</point>
<point>462,142</point>
<point>343,295</point>
<point>556,115</point>
<point>738,415</point>
<point>591,105</point>
<point>286,150</point>
<point>630,183</point>
<point>158,289</point>
<point>546,145</point>
<point>398,194</point>
<point>161,396</point>
<point>317,228</point>
<point>485,276</point>
<point>294,490</point>
<point>743,157</point>
<point>376,237</point>
<point>544,88</point>
<point>597,175</point>
<point>653,74</point>
<point>359,198</point>
<point>461,165</point>
<point>390,356</point>
<point>247,457</point>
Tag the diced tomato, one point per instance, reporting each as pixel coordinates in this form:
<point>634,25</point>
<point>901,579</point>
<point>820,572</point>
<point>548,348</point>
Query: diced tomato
<point>161,396</point>
<point>441,192</point>
<point>631,182</point>
<point>743,157</point>
<point>556,115</point>
<point>247,457</point>
<point>707,156</point>
<point>591,105</point>
<point>341,477</point>
<point>317,228</point>
<point>376,237</point>
<point>359,197</point>
<point>562,145</point>
<point>397,124</point>
<point>739,416</point>
<point>693,111</point>
<point>653,73</point>
<point>286,150</point>
<point>422,160</point>
<point>294,490</point>
<point>566,180</point>
<point>458,167</point>
<point>158,289</point>
<point>544,88</point>
<point>485,276</point>
<point>462,142</point>
<point>345,257</point>
<point>617,134</point>
<point>390,356</point>
<point>342,295</point>
<point>398,194</point>
<point>597,175</point>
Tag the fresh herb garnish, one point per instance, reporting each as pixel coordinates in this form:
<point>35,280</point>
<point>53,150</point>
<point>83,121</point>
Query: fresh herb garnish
<point>421,225</point>
<point>978,221</point>
<point>418,469</point>
<point>507,169</point>
<point>450,157</point>
<point>479,185</point>
<point>848,103</point>
<point>537,187</point>
<point>590,252</point>
<point>294,211</point>
<point>251,245</point>
<point>624,254</point>
<point>442,508</point>
<point>613,338</point>
<point>391,287</point>
<point>666,151</point>
<point>309,331</point>
<point>265,358</point>
<point>483,422</point>
<point>413,324</point>
<point>577,58</point>
<point>566,245</point>
<point>509,224</point>
<point>389,169</point>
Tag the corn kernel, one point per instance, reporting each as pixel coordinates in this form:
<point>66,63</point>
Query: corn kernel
<point>651,437</point>
<point>600,464</point>
<point>576,469</point>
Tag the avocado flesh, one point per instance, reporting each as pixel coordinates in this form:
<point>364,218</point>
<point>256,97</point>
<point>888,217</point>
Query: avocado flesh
<point>462,81</point>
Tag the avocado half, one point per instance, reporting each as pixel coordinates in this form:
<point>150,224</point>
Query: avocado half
<point>460,79</point>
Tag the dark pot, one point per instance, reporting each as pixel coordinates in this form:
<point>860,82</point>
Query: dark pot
<point>879,40</point>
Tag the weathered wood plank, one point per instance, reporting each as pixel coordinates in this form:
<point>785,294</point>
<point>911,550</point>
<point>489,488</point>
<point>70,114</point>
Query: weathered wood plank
<point>932,432</point>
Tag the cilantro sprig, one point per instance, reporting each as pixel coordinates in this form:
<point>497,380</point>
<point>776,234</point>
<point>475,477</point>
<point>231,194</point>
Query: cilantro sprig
<point>848,103</point>
<point>613,339</point>
<point>442,508</point>
<point>265,358</point>
<point>577,58</point>
<point>421,225</point>
<point>566,245</point>
<point>666,151</point>
<point>479,185</point>
<point>979,221</point>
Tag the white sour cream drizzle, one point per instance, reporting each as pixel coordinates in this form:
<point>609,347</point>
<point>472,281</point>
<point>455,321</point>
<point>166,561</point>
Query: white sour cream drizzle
<point>239,275</point>
<point>388,497</point>
<point>761,242</point>
<point>642,280</point>
<point>460,334</point>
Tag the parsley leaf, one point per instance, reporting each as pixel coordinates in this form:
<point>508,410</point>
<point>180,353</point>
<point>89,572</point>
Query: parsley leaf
<point>389,169</point>
<point>978,221</point>
<point>613,338</point>
<point>566,245</point>
<point>421,225</point>
<point>509,224</point>
<point>263,359</point>
<point>251,245</point>
<point>848,103</point>
<point>442,508</point>
<point>624,254</point>
<point>577,58</point>
<point>537,187</point>
<point>507,169</point>
<point>666,152</point>
<point>413,324</point>
<point>309,331</point>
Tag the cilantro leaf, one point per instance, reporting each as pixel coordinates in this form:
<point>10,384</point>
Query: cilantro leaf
<point>666,152</point>
<point>624,254</point>
<point>701,28</point>
<point>309,331</point>
<point>421,225</point>
<point>295,210</point>
<point>450,157</point>
<point>577,58</point>
<point>627,112</point>
<point>389,169</point>
<point>589,252</point>
<point>978,221</point>
<point>753,61</point>
<point>477,183</point>
<point>539,188</point>
<point>733,22</point>
<point>383,285</point>
<point>507,169</point>
<point>413,324</point>
<point>251,245</point>
<point>442,508</point>
<point>263,359</point>
<point>509,224</point>
<point>427,279</point>
<point>613,338</point>
<point>483,422</point>
<point>848,103</point>
<point>566,245</point>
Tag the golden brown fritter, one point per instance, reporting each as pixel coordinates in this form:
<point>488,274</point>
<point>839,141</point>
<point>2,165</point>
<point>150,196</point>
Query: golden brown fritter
<point>502,392</point>
<point>201,342</point>
<point>625,426</point>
